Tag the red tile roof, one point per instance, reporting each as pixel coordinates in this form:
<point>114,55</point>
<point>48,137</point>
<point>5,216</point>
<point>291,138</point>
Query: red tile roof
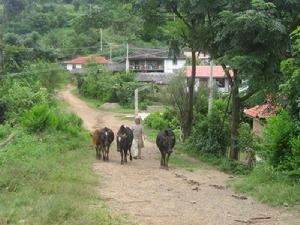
<point>265,110</point>
<point>88,59</point>
<point>204,71</point>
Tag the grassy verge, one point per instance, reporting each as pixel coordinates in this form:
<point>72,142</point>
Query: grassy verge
<point>48,179</point>
<point>270,186</point>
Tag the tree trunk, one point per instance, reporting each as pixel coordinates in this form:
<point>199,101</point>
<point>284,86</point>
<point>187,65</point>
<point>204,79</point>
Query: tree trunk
<point>235,121</point>
<point>187,129</point>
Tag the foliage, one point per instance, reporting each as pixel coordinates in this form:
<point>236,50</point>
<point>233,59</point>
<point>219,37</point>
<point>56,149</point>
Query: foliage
<point>19,96</point>
<point>269,185</point>
<point>156,121</point>
<point>291,71</point>
<point>47,179</point>
<point>42,117</point>
<point>222,163</point>
<point>281,142</point>
<point>108,87</point>
<point>163,120</point>
<point>210,133</point>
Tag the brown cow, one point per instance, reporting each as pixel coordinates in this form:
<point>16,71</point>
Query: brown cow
<point>97,143</point>
<point>102,140</point>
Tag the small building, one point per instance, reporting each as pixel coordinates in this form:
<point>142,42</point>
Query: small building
<point>155,61</point>
<point>76,65</point>
<point>260,113</point>
<point>203,73</point>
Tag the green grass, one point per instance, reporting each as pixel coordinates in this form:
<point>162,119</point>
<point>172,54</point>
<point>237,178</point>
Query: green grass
<point>270,186</point>
<point>150,133</point>
<point>48,179</point>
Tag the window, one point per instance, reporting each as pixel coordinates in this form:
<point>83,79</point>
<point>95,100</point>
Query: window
<point>220,82</point>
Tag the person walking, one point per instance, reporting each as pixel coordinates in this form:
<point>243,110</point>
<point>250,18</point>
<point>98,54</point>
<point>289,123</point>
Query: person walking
<point>138,138</point>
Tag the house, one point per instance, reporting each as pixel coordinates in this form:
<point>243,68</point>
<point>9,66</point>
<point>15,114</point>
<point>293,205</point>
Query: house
<point>76,65</point>
<point>148,60</point>
<point>203,73</point>
<point>199,55</point>
<point>260,113</point>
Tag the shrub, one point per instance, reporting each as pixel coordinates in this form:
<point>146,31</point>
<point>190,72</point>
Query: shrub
<point>22,96</point>
<point>276,140</point>
<point>42,117</point>
<point>207,135</point>
<point>156,121</point>
<point>39,118</point>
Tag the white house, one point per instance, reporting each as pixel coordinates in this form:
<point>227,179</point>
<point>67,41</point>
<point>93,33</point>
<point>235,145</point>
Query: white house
<point>76,65</point>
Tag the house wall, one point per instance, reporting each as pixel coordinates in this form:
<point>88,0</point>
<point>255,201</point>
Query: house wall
<point>78,66</point>
<point>169,65</point>
<point>257,127</point>
<point>204,82</point>
<point>69,67</point>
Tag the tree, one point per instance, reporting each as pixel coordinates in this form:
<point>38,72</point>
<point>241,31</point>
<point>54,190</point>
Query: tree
<point>291,71</point>
<point>251,43</point>
<point>189,29</point>
<point>13,7</point>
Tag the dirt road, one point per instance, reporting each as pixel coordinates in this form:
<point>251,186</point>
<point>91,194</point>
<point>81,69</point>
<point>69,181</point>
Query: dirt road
<point>150,195</point>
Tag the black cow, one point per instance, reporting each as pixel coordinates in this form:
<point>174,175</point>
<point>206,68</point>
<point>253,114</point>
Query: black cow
<point>165,141</point>
<point>102,140</point>
<point>124,142</point>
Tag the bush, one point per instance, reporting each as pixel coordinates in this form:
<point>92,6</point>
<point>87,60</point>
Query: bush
<point>107,87</point>
<point>22,96</point>
<point>156,121</point>
<point>39,118</point>
<point>207,136</point>
<point>42,117</point>
<point>281,142</point>
<point>167,119</point>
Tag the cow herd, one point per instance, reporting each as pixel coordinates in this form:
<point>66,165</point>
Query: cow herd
<point>103,138</point>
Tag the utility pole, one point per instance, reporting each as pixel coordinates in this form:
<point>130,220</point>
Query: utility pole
<point>211,87</point>
<point>127,58</point>
<point>101,40</point>
<point>136,102</point>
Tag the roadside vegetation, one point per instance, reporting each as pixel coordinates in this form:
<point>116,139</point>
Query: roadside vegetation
<point>46,172</point>
<point>256,41</point>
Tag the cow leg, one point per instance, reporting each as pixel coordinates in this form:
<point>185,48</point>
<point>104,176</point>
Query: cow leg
<point>122,162</point>
<point>98,153</point>
<point>107,158</point>
<point>125,156</point>
<point>163,160</point>
<point>103,153</point>
<point>130,154</point>
<point>167,161</point>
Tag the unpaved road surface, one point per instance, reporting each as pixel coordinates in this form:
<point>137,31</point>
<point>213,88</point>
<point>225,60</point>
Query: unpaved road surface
<point>149,195</point>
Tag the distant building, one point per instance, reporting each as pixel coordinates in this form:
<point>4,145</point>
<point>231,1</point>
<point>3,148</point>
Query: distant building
<point>155,61</point>
<point>202,77</point>
<point>76,65</point>
<point>260,113</point>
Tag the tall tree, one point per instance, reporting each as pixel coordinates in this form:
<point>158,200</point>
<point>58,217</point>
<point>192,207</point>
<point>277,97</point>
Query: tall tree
<point>188,28</point>
<point>250,42</point>
<point>291,71</point>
